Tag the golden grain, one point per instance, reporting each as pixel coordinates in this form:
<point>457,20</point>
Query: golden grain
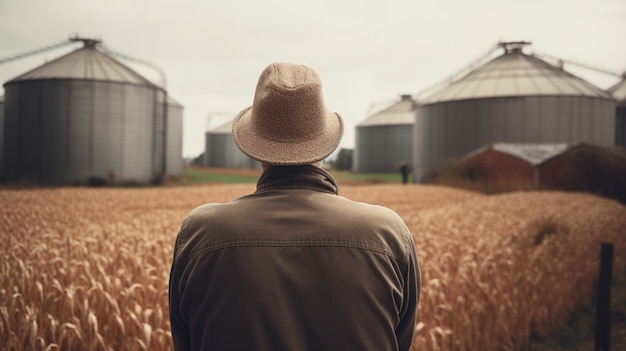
<point>87,269</point>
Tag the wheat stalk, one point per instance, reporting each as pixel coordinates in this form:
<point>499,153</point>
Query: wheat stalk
<point>87,269</point>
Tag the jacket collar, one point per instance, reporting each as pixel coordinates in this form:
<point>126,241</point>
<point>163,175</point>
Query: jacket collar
<point>297,177</point>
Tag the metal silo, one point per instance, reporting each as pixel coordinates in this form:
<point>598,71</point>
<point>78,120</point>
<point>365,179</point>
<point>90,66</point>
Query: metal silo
<point>82,118</point>
<point>174,163</point>
<point>385,140</point>
<point>221,151</point>
<point>514,98</point>
<point>619,92</point>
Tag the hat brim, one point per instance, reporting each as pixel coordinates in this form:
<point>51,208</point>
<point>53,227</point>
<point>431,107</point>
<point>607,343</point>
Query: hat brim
<point>286,153</point>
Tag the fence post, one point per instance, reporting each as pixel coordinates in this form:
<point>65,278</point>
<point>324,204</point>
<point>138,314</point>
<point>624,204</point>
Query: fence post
<point>603,305</point>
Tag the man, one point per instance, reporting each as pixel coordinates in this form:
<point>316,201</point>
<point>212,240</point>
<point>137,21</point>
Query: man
<point>292,266</point>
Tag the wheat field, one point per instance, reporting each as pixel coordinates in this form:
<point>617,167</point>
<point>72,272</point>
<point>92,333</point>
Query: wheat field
<point>87,269</point>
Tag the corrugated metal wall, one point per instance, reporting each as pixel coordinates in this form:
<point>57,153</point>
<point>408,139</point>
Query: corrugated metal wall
<point>168,156</point>
<point>620,125</point>
<point>71,131</point>
<point>174,159</point>
<point>455,128</point>
<point>221,152</point>
<point>159,136</point>
<point>384,141</point>
<point>619,92</point>
<point>382,148</point>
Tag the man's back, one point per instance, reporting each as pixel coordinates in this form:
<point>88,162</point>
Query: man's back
<point>294,267</point>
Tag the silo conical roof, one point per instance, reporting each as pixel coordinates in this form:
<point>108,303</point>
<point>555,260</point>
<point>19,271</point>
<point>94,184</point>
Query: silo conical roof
<point>226,128</point>
<point>170,101</point>
<point>399,113</point>
<point>516,74</point>
<point>86,63</point>
<point>619,90</point>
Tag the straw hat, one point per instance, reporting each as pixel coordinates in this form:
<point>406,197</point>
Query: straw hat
<point>288,122</point>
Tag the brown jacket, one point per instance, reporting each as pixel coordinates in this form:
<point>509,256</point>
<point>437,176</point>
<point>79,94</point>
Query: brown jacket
<point>293,266</point>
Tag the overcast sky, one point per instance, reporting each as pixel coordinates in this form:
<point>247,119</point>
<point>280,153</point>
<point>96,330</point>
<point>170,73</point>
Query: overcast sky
<point>366,52</point>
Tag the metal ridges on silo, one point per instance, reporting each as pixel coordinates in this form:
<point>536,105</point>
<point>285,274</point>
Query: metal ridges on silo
<point>384,141</point>
<point>515,73</point>
<point>513,98</point>
<point>86,63</point>
<point>85,118</point>
<point>221,151</point>
<point>619,92</point>
<point>174,162</point>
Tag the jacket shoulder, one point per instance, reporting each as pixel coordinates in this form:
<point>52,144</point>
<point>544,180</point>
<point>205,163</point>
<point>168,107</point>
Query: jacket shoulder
<point>381,220</point>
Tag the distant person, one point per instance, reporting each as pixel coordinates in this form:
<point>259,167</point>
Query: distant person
<point>292,266</point>
<point>404,171</point>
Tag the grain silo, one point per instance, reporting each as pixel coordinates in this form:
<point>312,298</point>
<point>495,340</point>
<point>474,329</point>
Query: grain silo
<point>83,118</point>
<point>221,151</point>
<point>619,92</point>
<point>385,140</point>
<point>174,163</point>
<point>514,98</point>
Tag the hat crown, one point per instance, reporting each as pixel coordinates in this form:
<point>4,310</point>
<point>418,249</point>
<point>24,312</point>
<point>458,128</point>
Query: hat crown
<point>288,122</point>
<point>289,104</point>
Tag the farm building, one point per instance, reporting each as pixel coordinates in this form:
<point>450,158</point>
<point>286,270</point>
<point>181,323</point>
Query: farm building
<point>578,167</point>
<point>221,151</point>
<point>385,140</point>
<point>516,164</point>
<point>619,92</point>
<point>587,167</point>
<point>85,118</point>
<point>513,98</point>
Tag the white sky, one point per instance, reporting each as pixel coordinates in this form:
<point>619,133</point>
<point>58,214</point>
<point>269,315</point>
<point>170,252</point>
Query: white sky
<point>367,52</point>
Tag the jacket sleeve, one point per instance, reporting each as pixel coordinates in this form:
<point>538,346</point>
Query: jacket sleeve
<point>412,287</point>
<point>179,326</point>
